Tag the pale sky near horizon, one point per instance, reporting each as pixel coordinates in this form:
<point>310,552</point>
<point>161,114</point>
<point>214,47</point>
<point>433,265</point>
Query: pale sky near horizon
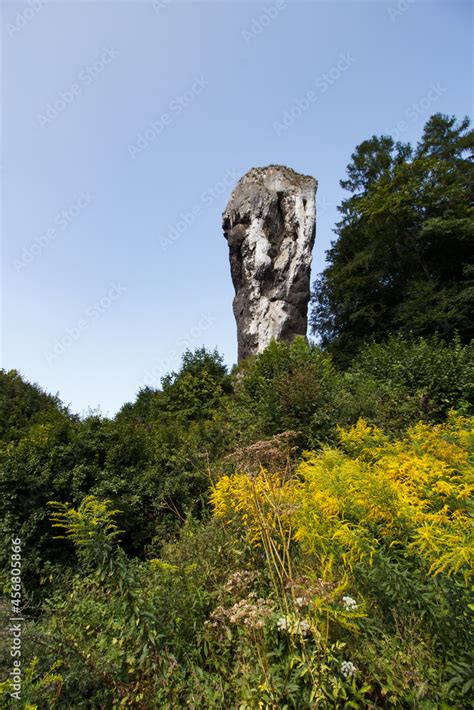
<point>125,126</point>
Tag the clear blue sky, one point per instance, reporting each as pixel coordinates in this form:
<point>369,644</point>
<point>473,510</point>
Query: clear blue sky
<point>125,126</point>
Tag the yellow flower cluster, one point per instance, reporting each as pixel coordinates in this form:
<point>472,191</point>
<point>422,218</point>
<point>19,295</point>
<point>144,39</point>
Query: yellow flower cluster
<point>262,503</point>
<point>412,492</point>
<point>346,503</point>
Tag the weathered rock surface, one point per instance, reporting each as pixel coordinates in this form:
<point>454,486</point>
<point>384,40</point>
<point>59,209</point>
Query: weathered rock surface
<point>269,224</point>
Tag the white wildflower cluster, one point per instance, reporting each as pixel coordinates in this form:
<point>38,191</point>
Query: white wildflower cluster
<point>304,627</point>
<point>293,625</point>
<point>348,669</point>
<point>251,612</point>
<point>349,603</point>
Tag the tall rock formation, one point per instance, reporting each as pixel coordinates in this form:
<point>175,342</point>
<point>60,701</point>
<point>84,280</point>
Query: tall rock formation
<point>269,224</point>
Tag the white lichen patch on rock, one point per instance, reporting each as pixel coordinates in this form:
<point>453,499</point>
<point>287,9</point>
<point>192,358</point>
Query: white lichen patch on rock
<point>269,224</point>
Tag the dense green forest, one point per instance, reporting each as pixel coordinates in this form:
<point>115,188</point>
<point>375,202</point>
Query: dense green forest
<point>402,260</point>
<point>293,533</point>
